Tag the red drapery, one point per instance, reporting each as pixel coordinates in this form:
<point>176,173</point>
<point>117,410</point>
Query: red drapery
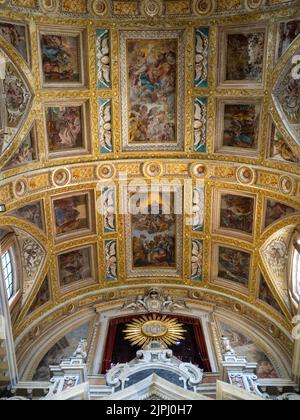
<point>111,338</point>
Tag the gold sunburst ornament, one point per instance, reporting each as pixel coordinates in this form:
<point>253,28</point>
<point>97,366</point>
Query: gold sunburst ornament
<point>140,332</point>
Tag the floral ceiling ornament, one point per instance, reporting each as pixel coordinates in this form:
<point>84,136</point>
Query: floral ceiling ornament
<point>198,208</point>
<point>201,57</point>
<point>200,118</point>
<point>17,95</point>
<point>204,7</point>
<point>32,256</point>
<point>152,8</point>
<point>103,58</point>
<point>109,209</point>
<point>105,126</point>
<point>111,260</point>
<point>154,300</point>
<point>197,260</point>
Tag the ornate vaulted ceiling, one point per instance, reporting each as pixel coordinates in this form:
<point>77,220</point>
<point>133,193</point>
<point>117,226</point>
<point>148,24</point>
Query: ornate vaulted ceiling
<point>222,110</point>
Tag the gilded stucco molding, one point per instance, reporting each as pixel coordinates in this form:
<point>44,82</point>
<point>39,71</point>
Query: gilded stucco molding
<point>82,172</point>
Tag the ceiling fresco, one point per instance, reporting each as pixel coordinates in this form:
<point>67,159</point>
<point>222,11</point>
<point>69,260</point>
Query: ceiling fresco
<point>197,95</point>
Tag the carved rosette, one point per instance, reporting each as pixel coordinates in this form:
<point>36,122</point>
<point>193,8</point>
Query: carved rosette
<point>61,177</point>
<point>153,169</point>
<point>198,170</point>
<point>100,8</point>
<point>246,175</point>
<point>106,171</point>
<point>20,188</point>
<point>152,8</point>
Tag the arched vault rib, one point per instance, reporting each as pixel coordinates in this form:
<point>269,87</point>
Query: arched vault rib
<point>68,317</point>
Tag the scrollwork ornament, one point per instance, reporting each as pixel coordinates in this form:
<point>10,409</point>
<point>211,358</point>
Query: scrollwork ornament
<point>254,4</point>
<point>49,6</point>
<point>204,7</point>
<point>152,8</point>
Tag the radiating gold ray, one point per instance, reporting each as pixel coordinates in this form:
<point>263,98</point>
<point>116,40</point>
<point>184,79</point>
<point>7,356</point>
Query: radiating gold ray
<point>140,332</point>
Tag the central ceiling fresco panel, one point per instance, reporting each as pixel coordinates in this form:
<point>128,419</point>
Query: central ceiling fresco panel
<point>152,90</point>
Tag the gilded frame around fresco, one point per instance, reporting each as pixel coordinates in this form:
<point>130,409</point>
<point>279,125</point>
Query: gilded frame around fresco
<point>264,225</point>
<point>220,125</point>
<point>223,49</point>
<point>124,37</point>
<point>85,123</point>
<point>82,47</point>
<point>132,272</point>
<point>279,22</point>
<point>90,220</point>
<point>218,194</point>
<point>224,282</point>
<point>80,284</point>
<point>27,38</point>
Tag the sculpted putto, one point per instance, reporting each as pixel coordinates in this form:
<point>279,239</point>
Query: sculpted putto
<point>155,301</point>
